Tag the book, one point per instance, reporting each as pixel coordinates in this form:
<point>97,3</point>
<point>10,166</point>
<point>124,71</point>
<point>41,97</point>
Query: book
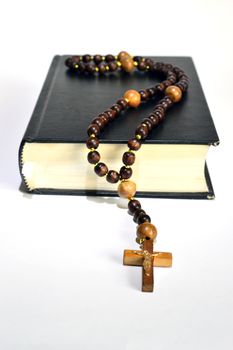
<point>171,162</point>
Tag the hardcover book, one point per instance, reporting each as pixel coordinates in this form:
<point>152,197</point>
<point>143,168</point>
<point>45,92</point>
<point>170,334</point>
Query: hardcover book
<point>170,163</point>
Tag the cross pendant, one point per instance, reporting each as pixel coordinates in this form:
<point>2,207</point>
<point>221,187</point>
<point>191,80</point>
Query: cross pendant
<point>147,259</point>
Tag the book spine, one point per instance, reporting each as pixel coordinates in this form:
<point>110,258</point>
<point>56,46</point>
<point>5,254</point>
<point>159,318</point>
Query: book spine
<point>38,114</point>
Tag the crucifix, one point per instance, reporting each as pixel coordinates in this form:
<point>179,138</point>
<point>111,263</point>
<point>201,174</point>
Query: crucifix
<point>147,259</point>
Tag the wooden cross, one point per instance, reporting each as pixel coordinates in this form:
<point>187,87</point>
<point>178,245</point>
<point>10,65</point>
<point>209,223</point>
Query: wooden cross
<point>147,259</point>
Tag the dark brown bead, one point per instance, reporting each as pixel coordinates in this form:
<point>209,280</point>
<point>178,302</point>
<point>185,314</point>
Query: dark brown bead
<point>166,83</point>
<point>104,117</point>
<point>159,108</point>
<point>101,169</point>
<point>76,59</point>
<point>93,129</point>
<point>134,205</point>
<point>160,87</point>
<point>159,66</point>
<point>109,58</point>
<point>154,119</point>
<point>137,58</point>
<point>113,176</point>
<point>111,114</point>
<point>128,158</point>
<point>92,142</point>
<point>68,62</point>
<point>90,68</point>
<point>144,95</point>
<point>116,108</point>
<point>93,157</point>
<point>112,66</point>
<point>99,121</point>
<point>81,67</point>
<point>134,144</point>
<point>125,173</point>
<point>143,217</point>
<point>151,92</point>
<point>123,103</point>
<point>164,104</point>
<point>148,122</point>
<point>142,130</point>
<point>159,114</point>
<point>169,101</point>
<point>141,65</point>
<point>137,213</point>
<point>102,68</point>
<point>86,58</point>
<point>97,59</point>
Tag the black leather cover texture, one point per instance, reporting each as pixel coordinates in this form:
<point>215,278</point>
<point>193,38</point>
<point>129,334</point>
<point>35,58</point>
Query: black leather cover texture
<point>68,102</point>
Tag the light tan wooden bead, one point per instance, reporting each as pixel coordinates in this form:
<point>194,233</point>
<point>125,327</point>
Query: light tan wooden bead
<point>127,189</point>
<point>122,55</point>
<point>133,97</point>
<point>127,64</point>
<point>146,231</point>
<point>174,92</point>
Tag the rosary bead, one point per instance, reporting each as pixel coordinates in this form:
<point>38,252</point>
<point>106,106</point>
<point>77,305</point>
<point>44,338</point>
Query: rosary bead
<point>144,95</point>
<point>137,58</point>
<point>143,217</point>
<point>81,67</point>
<point>104,117</point>
<point>169,101</point>
<point>142,130</point>
<point>159,114</point>
<point>160,87</point>
<point>148,122</point>
<point>99,121</point>
<point>92,142</point>
<point>101,169</point>
<point>102,68</point>
<point>137,213</point>
<point>142,65</point>
<point>174,92</point>
<point>134,205</point>
<point>127,189</point>
<point>93,157</point>
<point>134,144</point>
<point>127,64</point>
<point>123,55</point>
<point>123,103</point>
<point>154,119</point>
<point>93,129</point>
<point>86,58</point>
<point>125,172</point>
<point>111,114</point>
<point>133,97</point>
<point>90,68</point>
<point>109,58</point>
<point>112,176</point>
<point>97,59</point>
<point>146,231</point>
<point>151,92</point>
<point>128,158</point>
<point>164,103</point>
<point>68,62</point>
<point>112,66</point>
<point>117,108</point>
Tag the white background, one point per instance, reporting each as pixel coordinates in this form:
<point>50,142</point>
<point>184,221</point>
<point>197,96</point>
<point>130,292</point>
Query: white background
<point>62,282</point>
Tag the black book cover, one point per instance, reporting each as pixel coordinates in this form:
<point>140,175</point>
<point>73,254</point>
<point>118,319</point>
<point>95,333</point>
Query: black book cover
<point>68,102</point>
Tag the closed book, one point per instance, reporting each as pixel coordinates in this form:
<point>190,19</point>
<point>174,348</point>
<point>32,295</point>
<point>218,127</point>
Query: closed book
<point>170,163</point>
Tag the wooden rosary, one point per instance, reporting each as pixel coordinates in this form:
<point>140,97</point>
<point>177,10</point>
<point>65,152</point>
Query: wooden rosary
<point>171,90</point>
